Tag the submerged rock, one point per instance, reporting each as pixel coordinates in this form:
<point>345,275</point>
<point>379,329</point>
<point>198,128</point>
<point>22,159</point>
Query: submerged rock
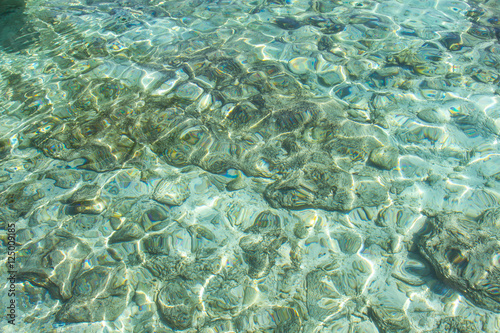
<point>101,293</point>
<point>172,191</point>
<point>236,184</point>
<point>96,206</point>
<point>265,221</point>
<point>154,218</point>
<point>433,116</point>
<point>176,303</point>
<point>287,23</point>
<point>323,187</point>
<point>16,30</point>
<point>456,325</point>
<point>384,157</point>
<point>20,199</point>
<point>5,148</point>
<point>390,319</point>
<point>285,319</point>
<point>325,43</point>
<point>355,148</point>
<point>307,109</point>
<point>53,262</point>
<point>452,41</point>
<point>86,200</point>
<point>294,117</point>
<point>128,232</point>
<point>64,178</point>
<point>464,253</point>
<point>260,252</point>
<point>317,186</point>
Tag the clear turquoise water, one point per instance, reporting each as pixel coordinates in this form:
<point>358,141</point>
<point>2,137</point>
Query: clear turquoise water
<point>251,166</point>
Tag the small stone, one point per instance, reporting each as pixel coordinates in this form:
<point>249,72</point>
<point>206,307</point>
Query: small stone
<point>128,232</point>
<point>172,192</point>
<point>456,324</point>
<point>330,78</point>
<point>369,194</point>
<point>261,251</point>
<point>452,41</point>
<point>265,221</point>
<point>433,116</point>
<point>87,192</point>
<point>432,179</point>
<point>4,176</point>
<point>301,65</point>
<point>5,148</point>
<point>156,244</point>
<point>96,206</point>
<point>390,319</point>
<point>287,23</point>
<point>236,184</point>
<point>325,43</point>
<point>176,304</point>
<point>154,219</point>
<point>349,242</point>
<point>384,157</point>
<point>189,91</point>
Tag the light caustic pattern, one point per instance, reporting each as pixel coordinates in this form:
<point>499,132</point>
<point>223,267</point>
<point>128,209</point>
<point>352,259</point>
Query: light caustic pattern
<point>243,166</point>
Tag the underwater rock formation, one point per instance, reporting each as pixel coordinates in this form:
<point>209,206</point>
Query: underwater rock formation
<point>176,303</point>
<point>86,200</point>
<point>101,293</point>
<point>53,262</point>
<point>464,254</point>
<point>324,187</point>
<point>260,252</point>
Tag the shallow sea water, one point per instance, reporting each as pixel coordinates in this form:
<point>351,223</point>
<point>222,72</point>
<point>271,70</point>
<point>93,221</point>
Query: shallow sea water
<point>250,166</point>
